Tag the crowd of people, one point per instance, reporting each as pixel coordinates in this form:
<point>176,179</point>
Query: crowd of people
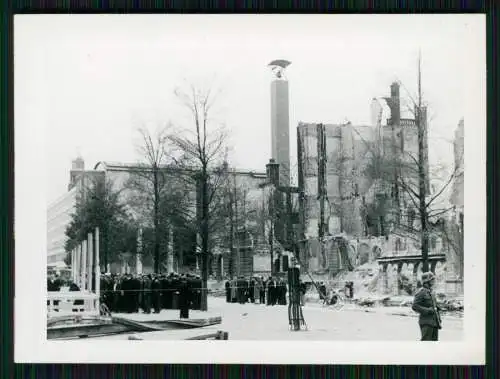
<point>270,291</point>
<point>128,293</point>
<point>151,292</point>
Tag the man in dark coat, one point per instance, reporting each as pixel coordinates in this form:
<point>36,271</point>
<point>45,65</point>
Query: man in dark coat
<point>270,291</point>
<point>156,293</point>
<point>167,285</point>
<point>146,294</point>
<point>322,292</point>
<point>252,290</point>
<point>136,291</point>
<point>125,294</point>
<point>303,290</point>
<point>240,290</point>
<point>284,293</point>
<point>228,291</point>
<point>424,303</point>
<point>262,291</point>
<point>185,298</point>
<point>196,292</point>
<point>53,284</point>
<point>246,289</point>
<point>234,290</point>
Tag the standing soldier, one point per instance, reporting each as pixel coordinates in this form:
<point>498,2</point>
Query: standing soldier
<point>425,304</point>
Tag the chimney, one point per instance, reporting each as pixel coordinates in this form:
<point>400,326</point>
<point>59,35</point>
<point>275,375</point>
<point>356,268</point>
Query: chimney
<point>395,104</point>
<point>78,164</point>
<point>273,173</point>
<point>77,168</point>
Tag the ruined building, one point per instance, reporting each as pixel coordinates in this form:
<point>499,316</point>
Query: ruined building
<point>340,194</point>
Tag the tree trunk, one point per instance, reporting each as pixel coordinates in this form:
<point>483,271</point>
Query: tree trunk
<point>105,246</point>
<point>204,238</point>
<point>231,237</point>
<point>461,247</point>
<point>421,195</point>
<point>156,222</point>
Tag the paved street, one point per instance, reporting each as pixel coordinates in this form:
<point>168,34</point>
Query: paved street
<point>256,322</point>
<point>259,322</point>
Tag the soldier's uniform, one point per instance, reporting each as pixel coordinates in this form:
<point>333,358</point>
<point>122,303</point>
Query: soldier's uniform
<point>425,304</point>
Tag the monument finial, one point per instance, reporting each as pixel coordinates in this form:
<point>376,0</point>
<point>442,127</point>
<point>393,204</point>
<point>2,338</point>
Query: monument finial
<point>278,67</point>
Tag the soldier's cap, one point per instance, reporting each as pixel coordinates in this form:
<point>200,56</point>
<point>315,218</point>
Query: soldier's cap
<point>427,277</point>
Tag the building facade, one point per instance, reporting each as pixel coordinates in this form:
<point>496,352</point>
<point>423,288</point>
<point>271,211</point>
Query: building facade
<point>58,218</point>
<point>245,188</point>
<point>60,211</point>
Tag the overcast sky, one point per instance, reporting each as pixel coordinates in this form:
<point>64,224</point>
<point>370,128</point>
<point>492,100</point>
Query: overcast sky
<point>92,80</point>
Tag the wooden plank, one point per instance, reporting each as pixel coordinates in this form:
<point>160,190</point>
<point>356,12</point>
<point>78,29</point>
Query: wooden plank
<point>168,335</point>
<point>68,332</point>
<point>91,327</point>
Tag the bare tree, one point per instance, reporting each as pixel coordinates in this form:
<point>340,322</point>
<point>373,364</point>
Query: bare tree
<point>157,194</point>
<point>203,144</point>
<point>408,189</point>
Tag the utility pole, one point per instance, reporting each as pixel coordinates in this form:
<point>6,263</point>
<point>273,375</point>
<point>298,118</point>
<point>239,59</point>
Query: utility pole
<point>231,235</point>
<point>271,231</point>
<point>322,193</point>
<point>421,124</point>
<point>235,230</point>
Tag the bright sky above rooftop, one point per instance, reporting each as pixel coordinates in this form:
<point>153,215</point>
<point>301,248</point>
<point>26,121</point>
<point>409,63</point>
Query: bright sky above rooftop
<point>92,80</point>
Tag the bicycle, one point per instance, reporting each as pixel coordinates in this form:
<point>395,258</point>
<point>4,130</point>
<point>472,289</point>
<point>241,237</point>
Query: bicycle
<point>335,301</point>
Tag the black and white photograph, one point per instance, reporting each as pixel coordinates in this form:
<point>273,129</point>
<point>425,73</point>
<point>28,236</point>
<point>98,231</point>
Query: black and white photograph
<point>250,188</point>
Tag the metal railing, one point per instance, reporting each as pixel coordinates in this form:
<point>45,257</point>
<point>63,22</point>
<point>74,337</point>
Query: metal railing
<point>69,303</point>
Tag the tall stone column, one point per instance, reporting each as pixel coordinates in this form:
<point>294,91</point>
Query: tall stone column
<point>90,266</point>
<point>84,286</point>
<point>170,251</point>
<point>138,259</point>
